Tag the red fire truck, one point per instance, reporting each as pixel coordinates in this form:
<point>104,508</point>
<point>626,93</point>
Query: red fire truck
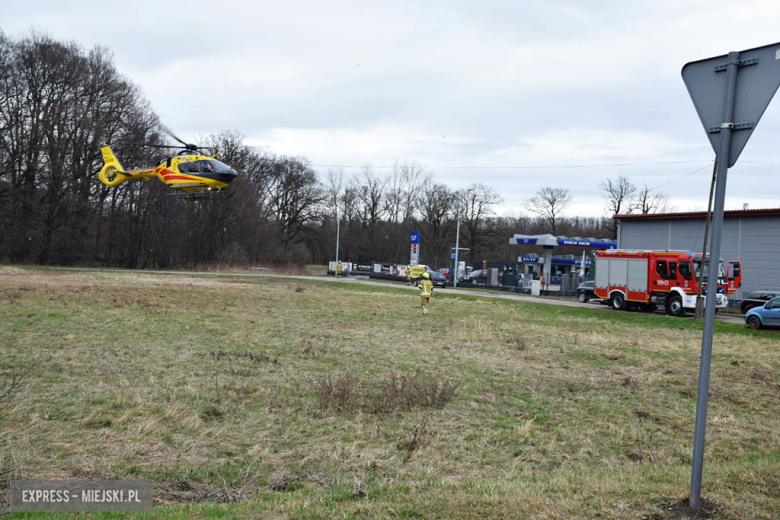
<point>645,279</point>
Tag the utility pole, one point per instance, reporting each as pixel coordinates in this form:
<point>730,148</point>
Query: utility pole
<point>457,248</point>
<point>699,302</point>
<point>338,230</point>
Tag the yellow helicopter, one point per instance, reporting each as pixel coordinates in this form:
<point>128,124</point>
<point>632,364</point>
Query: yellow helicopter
<point>190,173</point>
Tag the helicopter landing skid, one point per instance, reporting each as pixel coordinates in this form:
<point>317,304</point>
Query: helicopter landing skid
<point>203,195</point>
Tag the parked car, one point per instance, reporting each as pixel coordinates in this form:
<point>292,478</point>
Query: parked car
<point>475,277</point>
<point>757,299</point>
<point>585,291</point>
<point>768,315</point>
<point>438,279</point>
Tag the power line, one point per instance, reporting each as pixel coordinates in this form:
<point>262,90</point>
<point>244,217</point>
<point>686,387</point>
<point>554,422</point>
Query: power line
<point>678,178</point>
<point>517,167</point>
<point>759,169</point>
<point>757,162</point>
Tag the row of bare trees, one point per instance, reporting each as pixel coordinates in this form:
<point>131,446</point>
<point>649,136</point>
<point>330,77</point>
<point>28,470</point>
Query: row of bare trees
<point>377,212</point>
<point>59,104</point>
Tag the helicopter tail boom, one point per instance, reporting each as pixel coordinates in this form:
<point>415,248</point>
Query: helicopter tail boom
<point>112,173</point>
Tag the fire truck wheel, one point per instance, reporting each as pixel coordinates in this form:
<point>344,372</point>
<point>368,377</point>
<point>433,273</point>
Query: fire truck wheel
<point>674,306</point>
<point>618,301</point>
<point>754,323</point>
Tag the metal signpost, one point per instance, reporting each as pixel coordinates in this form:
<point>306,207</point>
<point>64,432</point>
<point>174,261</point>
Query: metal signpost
<point>730,94</point>
<point>338,231</point>
<point>457,249</point>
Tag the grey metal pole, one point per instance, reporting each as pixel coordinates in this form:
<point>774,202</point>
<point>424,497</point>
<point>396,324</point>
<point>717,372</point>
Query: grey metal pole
<point>712,281</point>
<point>338,231</point>
<point>457,251</point>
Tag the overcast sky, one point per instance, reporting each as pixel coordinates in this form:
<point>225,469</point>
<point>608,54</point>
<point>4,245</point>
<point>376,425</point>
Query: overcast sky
<point>515,94</point>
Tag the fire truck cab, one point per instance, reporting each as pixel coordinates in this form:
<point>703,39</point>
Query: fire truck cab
<point>646,279</point>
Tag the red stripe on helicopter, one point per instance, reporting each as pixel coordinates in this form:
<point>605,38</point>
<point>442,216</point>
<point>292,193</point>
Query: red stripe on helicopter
<point>179,177</point>
<point>170,175</point>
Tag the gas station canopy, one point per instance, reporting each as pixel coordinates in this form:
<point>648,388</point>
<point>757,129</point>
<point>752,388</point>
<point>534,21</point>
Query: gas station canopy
<point>550,241</point>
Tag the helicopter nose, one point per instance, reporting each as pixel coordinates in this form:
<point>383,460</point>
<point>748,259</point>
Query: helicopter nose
<point>228,176</point>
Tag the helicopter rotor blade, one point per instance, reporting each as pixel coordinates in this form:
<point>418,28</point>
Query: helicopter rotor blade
<point>168,131</point>
<point>145,145</point>
<point>189,147</point>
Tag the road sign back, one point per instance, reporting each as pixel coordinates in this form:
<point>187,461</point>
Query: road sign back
<point>757,81</point>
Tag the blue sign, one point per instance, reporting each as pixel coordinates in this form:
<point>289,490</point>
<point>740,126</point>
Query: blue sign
<point>587,243</point>
<point>415,237</point>
<point>554,260</point>
<point>454,256</point>
<point>525,240</point>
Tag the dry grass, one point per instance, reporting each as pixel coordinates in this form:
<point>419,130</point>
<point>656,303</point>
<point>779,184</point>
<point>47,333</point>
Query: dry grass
<point>343,401</point>
<point>393,392</point>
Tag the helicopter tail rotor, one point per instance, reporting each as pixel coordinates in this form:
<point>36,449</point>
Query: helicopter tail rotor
<point>112,173</point>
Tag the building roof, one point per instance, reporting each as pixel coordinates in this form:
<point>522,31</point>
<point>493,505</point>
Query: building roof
<point>766,212</point>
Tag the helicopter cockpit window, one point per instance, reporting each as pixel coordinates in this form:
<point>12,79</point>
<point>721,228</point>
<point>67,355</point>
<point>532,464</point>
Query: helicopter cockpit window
<point>204,166</point>
<point>218,167</point>
<point>189,167</point>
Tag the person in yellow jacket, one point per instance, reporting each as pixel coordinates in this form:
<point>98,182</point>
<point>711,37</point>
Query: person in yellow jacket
<point>426,286</point>
<point>339,270</point>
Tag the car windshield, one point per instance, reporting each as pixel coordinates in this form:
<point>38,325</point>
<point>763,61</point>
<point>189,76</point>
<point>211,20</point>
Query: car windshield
<point>697,269</point>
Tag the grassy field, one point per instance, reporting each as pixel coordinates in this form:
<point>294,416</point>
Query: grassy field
<point>288,398</point>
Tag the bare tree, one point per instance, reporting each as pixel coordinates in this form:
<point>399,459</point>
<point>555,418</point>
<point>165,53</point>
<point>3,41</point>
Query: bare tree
<point>476,203</point>
<point>646,203</point>
<point>371,188</point>
<point>549,203</point>
<point>414,178</point>
<point>294,199</point>
<point>394,193</point>
<point>436,205</point>
<point>618,193</point>
<point>403,186</point>
<point>334,187</point>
